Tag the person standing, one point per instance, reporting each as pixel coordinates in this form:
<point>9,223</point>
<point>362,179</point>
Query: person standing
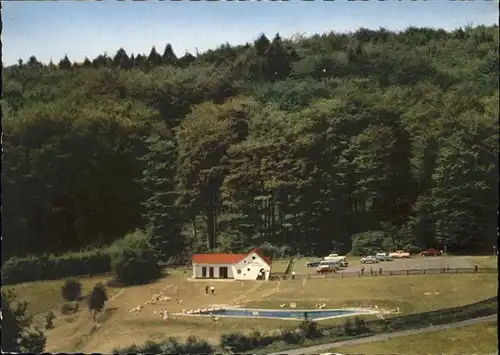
<point>212,289</point>
<point>293,275</point>
<point>206,289</point>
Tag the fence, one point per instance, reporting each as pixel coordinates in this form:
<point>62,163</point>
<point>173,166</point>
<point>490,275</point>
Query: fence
<point>372,272</point>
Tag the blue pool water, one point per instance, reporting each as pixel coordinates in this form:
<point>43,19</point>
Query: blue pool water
<point>288,314</point>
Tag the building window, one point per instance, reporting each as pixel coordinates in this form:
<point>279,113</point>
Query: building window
<point>204,271</point>
<point>238,271</point>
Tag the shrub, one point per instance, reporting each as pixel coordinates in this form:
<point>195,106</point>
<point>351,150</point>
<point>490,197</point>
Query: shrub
<point>195,345</point>
<point>134,259</point>
<point>310,329</point>
<point>69,308</point>
<point>49,320</point>
<point>50,267</point>
<point>97,299</point>
<point>349,327</point>
<point>355,326</point>
<point>291,337</point>
<point>17,334</point>
<point>237,341</point>
<point>370,242</point>
<point>71,290</point>
<point>274,251</point>
<point>150,347</point>
<point>360,325</point>
<point>132,349</point>
<point>259,340</point>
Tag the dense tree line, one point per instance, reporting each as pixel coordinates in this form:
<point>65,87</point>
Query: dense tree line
<point>302,142</point>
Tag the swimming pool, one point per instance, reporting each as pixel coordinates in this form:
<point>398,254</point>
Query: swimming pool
<point>296,314</point>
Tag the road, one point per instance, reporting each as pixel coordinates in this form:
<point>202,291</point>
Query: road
<point>317,349</point>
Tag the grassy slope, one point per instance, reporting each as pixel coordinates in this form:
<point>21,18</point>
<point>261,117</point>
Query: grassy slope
<point>119,327</point>
<point>471,339</point>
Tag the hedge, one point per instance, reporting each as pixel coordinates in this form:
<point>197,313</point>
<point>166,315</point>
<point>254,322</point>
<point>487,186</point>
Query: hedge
<point>50,267</point>
<point>357,327</point>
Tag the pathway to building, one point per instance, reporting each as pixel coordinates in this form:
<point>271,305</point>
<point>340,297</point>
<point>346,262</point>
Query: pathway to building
<point>318,349</point>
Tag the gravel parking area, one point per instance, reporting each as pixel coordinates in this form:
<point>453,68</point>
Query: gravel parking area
<point>418,262</point>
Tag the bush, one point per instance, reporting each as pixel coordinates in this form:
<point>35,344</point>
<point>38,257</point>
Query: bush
<point>97,299</point>
<point>193,345</point>
<point>292,337</point>
<point>310,329</point>
<point>132,349</point>
<point>360,325</point>
<point>69,308</point>
<point>259,340</point>
<point>49,320</point>
<point>17,334</point>
<point>71,290</point>
<point>350,327</point>
<point>237,341</point>
<point>134,259</point>
<point>274,251</point>
<point>50,267</point>
<point>371,242</point>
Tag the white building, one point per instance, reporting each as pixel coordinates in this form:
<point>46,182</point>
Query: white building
<point>251,266</point>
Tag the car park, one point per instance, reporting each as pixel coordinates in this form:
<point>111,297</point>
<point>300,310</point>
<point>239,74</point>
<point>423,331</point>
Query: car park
<point>370,259</point>
<point>384,257</point>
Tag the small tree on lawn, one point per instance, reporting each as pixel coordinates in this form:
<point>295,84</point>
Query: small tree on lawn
<point>49,320</point>
<point>71,290</point>
<point>97,299</point>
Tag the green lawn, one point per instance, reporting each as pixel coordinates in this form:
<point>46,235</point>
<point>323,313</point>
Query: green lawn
<point>120,327</point>
<point>471,339</point>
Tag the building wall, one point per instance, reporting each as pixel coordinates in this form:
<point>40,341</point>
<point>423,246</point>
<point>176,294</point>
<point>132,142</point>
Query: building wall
<point>197,270</point>
<point>246,269</point>
<point>249,268</point>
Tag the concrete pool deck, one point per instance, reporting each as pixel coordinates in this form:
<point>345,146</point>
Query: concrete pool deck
<point>293,314</point>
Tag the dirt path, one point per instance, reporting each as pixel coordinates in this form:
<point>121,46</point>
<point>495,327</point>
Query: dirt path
<point>117,295</point>
<point>380,337</point>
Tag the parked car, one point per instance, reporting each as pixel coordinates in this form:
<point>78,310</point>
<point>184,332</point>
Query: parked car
<point>325,269</point>
<point>334,264</point>
<point>400,254</point>
<point>337,258</point>
<point>314,263</point>
<point>430,252</point>
<point>384,257</point>
<point>370,259</point>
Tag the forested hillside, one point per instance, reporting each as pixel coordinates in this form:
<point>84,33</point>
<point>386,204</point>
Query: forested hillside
<point>303,142</point>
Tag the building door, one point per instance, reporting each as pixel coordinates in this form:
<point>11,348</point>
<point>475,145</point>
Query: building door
<point>223,272</point>
<point>211,272</point>
<point>204,271</point>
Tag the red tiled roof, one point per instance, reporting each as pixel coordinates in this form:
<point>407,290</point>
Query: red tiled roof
<point>225,258</point>
<point>217,258</point>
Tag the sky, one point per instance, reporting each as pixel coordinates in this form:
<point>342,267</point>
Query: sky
<point>50,30</point>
